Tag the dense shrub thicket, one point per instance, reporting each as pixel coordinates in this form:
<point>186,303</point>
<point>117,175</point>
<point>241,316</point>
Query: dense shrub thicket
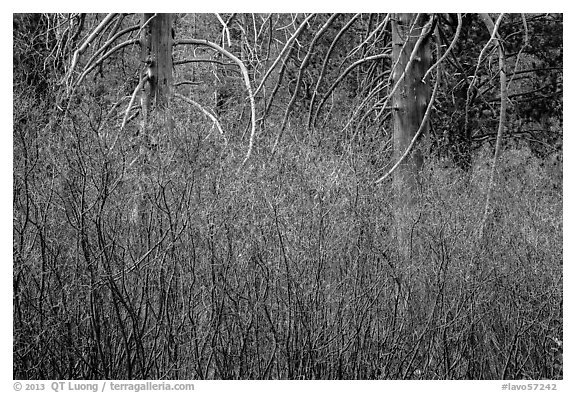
<point>169,263</point>
<point>155,255</point>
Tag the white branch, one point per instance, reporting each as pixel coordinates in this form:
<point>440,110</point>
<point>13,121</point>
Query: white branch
<point>488,45</point>
<point>90,38</point>
<point>244,70</point>
<point>205,111</point>
<point>454,40</point>
<point>104,57</point>
<point>345,73</point>
<point>132,99</point>
<point>325,63</point>
<point>286,46</point>
<point>372,34</point>
<point>108,43</point>
<point>147,22</point>
<point>225,28</point>
<point>299,79</point>
<point>473,82</point>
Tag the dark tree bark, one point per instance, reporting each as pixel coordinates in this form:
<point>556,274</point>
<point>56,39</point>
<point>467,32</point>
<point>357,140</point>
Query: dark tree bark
<point>156,44</point>
<point>411,58</point>
<point>411,97</point>
<point>156,54</point>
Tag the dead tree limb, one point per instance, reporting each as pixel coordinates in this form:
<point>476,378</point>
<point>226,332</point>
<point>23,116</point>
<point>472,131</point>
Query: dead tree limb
<point>201,60</point>
<point>452,44</point>
<point>379,87</point>
<point>474,77</point>
<point>381,26</point>
<point>132,99</point>
<point>299,78</point>
<point>282,69</point>
<point>88,40</point>
<point>325,63</point>
<point>343,75</point>
<point>104,57</point>
<point>108,43</point>
<point>206,112</point>
<point>493,28</point>
<point>244,70</point>
<point>284,49</point>
<point>225,29</point>
<point>524,46</point>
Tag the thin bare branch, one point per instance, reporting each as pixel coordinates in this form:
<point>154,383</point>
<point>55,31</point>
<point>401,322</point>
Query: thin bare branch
<point>325,63</point>
<point>244,70</point>
<point>474,77</point>
<point>105,56</point>
<point>299,79</point>
<point>452,44</point>
<point>205,111</point>
<point>108,43</point>
<point>344,74</point>
<point>524,45</point>
<point>381,26</point>
<point>88,40</point>
<point>146,23</point>
<point>201,60</point>
<point>187,82</point>
<point>502,121</point>
<point>379,87</point>
<point>132,99</point>
<point>286,46</point>
<point>225,29</point>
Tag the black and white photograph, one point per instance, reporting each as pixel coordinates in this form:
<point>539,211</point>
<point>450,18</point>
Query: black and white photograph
<point>335,196</point>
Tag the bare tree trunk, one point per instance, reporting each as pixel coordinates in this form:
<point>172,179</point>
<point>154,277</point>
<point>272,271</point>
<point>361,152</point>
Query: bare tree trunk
<point>156,44</point>
<point>156,55</point>
<point>411,58</point>
<point>493,29</point>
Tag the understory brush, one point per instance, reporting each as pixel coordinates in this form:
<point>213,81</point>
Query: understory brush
<point>167,262</point>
